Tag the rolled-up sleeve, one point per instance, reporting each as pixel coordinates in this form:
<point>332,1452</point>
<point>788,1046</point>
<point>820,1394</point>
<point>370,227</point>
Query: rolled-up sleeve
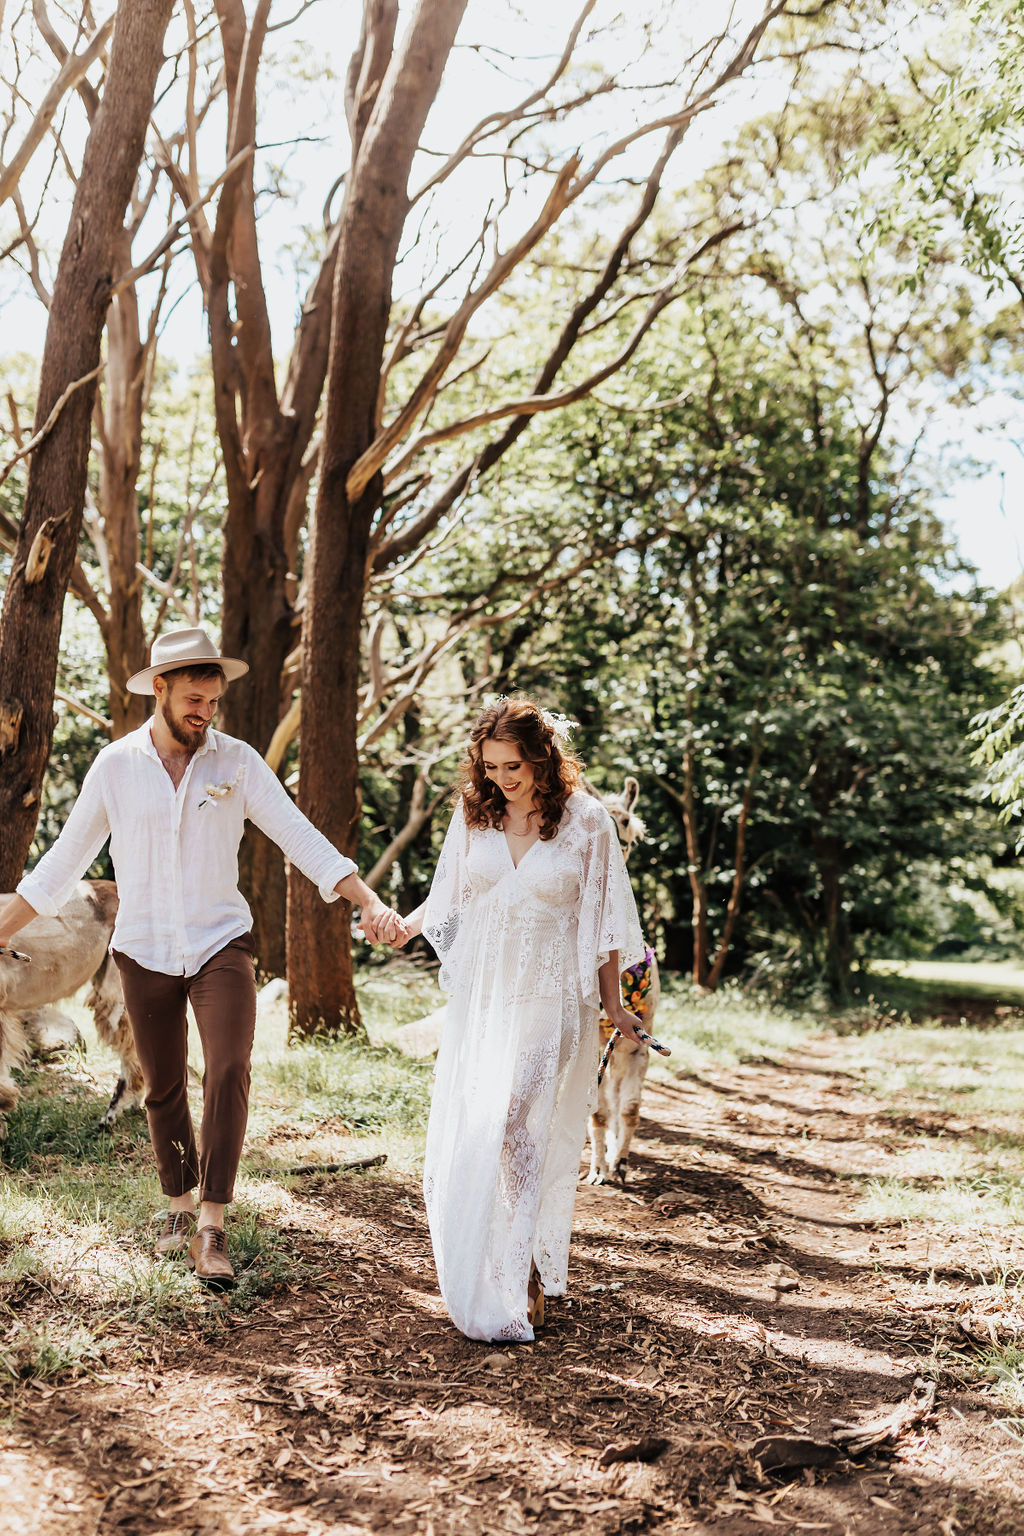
<point>52,882</point>
<point>268,807</point>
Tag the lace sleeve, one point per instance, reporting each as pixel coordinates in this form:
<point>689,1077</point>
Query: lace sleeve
<point>450,894</point>
<point>608,918</point>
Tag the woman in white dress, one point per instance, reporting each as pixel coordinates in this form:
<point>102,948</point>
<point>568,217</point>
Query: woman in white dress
<point>533,918</point>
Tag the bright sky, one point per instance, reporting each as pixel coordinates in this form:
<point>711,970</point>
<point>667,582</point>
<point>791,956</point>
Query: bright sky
<point>985,510</point>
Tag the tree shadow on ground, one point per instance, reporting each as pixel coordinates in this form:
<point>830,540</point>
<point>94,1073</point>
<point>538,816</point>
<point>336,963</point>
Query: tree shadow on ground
<point>346,1401</point>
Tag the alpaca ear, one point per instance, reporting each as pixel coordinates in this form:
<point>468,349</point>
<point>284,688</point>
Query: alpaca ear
<point>630,793</point>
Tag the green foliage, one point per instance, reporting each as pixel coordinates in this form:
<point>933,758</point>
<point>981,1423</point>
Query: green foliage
<point>793,629</point>
<point>82,675</point>
<point>998,735</point>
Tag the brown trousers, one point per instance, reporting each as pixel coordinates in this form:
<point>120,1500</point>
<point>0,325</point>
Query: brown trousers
<point>223,998</point>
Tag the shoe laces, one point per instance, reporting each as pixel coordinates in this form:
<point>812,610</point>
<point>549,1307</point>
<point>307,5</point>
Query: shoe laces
<point>215,1238</point>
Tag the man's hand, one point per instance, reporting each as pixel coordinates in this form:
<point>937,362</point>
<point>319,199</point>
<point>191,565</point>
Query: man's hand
<point>380,924</point>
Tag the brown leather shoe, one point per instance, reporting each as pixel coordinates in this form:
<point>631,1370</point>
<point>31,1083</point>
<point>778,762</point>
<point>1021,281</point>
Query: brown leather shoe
<point>176,1235</point>
<point>208,1256</point>
<point>535,1299</point>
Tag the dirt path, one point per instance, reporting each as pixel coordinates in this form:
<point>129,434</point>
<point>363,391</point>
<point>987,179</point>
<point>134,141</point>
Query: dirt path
<point>729,1294</point>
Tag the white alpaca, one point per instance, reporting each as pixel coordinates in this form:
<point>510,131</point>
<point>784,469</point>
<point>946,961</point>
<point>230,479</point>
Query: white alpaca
<point>65,952</point>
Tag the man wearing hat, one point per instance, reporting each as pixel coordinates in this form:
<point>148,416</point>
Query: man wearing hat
<point>173,797</point>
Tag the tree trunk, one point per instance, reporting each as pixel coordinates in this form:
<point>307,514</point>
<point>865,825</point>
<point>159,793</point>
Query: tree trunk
<point>120,427</point>
<point>698,888</point>
<point>373,217</point>
<point>739,874</point>
<point>837,928</point>
<point>264,442</point>
<point>257,624</point>
<point>33,603</point>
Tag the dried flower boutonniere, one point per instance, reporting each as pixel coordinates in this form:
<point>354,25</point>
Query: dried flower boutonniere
<point>219,791</point>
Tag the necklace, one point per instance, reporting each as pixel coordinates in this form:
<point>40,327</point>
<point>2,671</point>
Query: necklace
<point>523,831</point>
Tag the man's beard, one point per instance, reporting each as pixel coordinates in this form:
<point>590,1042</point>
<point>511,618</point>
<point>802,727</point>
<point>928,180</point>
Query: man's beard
<point>186,736</point>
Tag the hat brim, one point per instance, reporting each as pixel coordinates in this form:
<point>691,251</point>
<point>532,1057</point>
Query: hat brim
<point>142,682</point>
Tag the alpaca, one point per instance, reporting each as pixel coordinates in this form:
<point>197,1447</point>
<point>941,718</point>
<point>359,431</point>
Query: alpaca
<point>617,1110</point>
<point>63,953</point>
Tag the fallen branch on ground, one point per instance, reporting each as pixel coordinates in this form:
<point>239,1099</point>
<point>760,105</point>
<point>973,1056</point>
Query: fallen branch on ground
<point>854,1439</point>
<point>361,1162</point>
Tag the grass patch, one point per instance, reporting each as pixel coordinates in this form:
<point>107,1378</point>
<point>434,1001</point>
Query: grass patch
<point>960,1090</point>
<point>51,1349</point>
<point>330,1101</point>
<point>1000,980</point>
<point>80,1209</point>
<point>964,1199</point>
<point>1003,1367</point>
<point>724,1028</point>
<point>987,994</point>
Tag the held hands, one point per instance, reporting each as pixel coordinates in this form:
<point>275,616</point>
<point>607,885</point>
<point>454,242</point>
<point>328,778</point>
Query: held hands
<point>409,933</point>
<point>409,927</point>
<point>382,925</point>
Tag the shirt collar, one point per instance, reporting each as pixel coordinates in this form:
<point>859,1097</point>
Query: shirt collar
<point>142,739</point>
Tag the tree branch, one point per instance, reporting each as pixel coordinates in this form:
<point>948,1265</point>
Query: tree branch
<point>50,422</point>
<point>368,463</point>
<point>83,709</point>
<point>149,262</point>
<point>71,74</point>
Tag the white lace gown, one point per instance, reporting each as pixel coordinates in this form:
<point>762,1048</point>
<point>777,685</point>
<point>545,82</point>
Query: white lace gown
<point>517,1065</point>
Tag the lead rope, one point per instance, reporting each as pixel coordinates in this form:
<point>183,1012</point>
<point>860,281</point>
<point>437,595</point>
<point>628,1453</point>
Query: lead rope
<point>616,1036</point>
<point>606,1054</point>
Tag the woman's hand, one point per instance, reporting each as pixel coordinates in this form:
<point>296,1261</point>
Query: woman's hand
<point>627,1024</point>
<point>630,1027</point>
<point>412,927</point>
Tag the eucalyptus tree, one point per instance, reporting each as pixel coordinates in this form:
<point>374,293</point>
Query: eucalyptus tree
<point>112,578</point>
<point>389,481</point>
<point>47,537</point>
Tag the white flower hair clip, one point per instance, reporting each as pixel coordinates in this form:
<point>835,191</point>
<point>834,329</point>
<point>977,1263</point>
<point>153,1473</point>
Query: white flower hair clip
<point>562,726</point>
<point>219,791</point>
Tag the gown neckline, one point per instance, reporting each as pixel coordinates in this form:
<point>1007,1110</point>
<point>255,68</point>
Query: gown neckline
<point>508,848</point>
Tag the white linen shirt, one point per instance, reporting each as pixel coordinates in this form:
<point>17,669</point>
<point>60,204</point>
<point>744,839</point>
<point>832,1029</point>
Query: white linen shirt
<point>175,852</point>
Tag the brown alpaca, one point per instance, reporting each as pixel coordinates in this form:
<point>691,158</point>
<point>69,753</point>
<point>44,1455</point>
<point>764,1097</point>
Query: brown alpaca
<point>617,1110</point>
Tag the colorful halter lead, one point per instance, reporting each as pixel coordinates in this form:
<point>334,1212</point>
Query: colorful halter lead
<point>635,984</point>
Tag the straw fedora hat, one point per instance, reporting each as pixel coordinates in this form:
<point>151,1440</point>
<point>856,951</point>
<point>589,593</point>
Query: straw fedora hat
<point>184,648</point>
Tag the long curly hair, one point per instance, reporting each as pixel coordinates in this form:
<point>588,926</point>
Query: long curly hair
<point>557,770</point>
